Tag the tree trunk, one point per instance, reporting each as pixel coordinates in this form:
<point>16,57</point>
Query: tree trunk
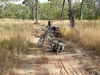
<point>32,13</point>
<point>71,14</point>
<point>31,3</point>
<point>62,10</point>
<point>80,17</point>
<point>36,11</point>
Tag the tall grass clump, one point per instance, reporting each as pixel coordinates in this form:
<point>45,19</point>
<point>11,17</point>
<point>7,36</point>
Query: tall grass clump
<point>15,45</point>
<point>90,38</point>
<point>87,34</point>
<point>68,33</point>
<point>6,62</point>
<point>14,41</point>
<point>9,48</point>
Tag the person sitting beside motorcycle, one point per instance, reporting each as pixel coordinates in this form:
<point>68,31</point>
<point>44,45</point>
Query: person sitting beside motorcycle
<point>55,30</point>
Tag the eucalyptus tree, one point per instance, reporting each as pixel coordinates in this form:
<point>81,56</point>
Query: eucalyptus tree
<point>31,4</point>
<point>71,11</point>
<point>97,9</point>
<point>20,11</point>
<point>89,9</point>
<point>6,12</point>
<point>77,10</point>
<point>57,4</point>
<point>7,9</point>
<point>25,14</point>
<point>1,9</point>
<point>36,11</point>
<point>44,11</point>
<point>8,1</point>
<point>2,6</point>
<point>81,7</point>
<point>62,9</point>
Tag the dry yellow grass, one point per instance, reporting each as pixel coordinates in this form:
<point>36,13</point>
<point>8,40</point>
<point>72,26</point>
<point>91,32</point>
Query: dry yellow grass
<point>14,37</point>
<point>87,34</point>
<point>15,34</point>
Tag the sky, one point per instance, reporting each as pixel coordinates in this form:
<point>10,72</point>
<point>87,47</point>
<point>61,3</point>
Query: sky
<point>42,1</point>
<point>19,2</point>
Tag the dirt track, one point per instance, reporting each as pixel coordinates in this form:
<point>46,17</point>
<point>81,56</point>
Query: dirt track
<point>44,62</point>
<point>41,61</point>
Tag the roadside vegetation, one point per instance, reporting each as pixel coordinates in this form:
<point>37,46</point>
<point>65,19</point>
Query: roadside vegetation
<point>14,40</point>
<point>86,34</point>
<point>17,26</point>
<point>15,36</point>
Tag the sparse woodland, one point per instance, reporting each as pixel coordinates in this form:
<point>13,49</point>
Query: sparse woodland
<point>18,23</point>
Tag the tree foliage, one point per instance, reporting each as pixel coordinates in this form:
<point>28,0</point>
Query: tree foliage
<point>49,10</point>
